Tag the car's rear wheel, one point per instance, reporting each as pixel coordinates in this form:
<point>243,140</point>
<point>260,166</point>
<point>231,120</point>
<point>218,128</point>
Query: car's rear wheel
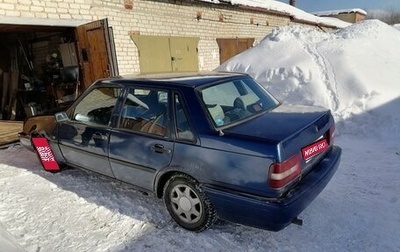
<point>187,204</point>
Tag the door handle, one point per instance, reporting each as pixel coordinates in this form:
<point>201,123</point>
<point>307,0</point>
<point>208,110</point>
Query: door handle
<point>159,148</point>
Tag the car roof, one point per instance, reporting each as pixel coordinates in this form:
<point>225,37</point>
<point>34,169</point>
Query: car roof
<point>190,79</point>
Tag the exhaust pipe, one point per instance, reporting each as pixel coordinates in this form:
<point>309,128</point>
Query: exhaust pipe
<point>297,221</point>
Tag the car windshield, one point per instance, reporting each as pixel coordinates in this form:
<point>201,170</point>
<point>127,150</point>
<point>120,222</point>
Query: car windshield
<point>237,100</point>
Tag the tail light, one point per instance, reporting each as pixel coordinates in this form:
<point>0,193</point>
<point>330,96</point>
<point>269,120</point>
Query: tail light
<point>281,174</point>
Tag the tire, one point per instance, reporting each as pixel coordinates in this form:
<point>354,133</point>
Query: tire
<point>187,203</point>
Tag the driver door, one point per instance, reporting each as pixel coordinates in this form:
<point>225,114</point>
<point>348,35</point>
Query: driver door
<point>83,140</point>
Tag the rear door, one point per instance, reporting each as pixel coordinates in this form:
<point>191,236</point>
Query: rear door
<point>140,145</point>
<point>96,51</point>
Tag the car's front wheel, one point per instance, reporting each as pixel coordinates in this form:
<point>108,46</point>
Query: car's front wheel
<point>187,203</point>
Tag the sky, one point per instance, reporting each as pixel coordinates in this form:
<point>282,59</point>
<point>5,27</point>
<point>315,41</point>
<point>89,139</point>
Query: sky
<point>359,210</point>
<point>324,5</point>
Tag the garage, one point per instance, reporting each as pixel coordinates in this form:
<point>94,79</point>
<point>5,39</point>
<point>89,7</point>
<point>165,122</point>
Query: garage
<point>229,47</point>
<point>167,53</point>
<point>44,67</point>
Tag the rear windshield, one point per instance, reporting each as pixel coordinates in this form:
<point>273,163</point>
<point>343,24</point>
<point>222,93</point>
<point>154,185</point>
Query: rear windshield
<point>234,101</point>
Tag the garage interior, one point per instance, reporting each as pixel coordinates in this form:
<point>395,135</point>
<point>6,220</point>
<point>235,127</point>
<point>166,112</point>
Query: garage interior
<point>44,68</point>
<point>38,70</point>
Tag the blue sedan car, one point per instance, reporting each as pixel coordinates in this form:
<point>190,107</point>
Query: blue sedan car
<point>212,145</point>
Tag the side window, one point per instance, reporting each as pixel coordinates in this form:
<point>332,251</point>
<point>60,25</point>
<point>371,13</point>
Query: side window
<point>183,130</point>
<point>145,110</point>
<point>97,106</point>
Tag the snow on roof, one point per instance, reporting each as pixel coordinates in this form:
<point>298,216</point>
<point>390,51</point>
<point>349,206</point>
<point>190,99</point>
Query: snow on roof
<point>336,12</point>
<point>284,9</point>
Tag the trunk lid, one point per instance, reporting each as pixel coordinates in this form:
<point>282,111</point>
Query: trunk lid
<point>292,128</point>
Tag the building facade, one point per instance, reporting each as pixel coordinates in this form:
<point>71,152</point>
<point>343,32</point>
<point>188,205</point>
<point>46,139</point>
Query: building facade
<point>101,38</point>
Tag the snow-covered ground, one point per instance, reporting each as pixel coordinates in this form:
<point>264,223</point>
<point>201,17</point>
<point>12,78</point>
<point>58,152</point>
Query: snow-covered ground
<point>354,72</point>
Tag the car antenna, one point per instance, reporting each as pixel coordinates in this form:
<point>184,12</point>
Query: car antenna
<point>221,133</point>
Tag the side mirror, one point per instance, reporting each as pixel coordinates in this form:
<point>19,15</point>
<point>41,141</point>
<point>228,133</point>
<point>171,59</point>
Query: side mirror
<point>61,117</point>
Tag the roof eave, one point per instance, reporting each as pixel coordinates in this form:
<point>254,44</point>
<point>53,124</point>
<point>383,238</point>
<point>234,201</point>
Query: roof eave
<point>302,21</point>
<point>265,11</point>
<point>285,14</point>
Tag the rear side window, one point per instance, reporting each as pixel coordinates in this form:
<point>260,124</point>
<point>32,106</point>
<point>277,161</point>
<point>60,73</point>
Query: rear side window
<point>184,131</point>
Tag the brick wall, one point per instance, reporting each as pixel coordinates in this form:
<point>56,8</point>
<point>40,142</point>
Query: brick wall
<point>180,19</point>
<point>165,17</point>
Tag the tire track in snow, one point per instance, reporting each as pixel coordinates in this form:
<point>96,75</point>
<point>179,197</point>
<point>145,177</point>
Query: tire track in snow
<point>326,71</point>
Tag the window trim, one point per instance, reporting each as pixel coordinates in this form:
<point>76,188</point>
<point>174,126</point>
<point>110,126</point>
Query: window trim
<point>188,118</point>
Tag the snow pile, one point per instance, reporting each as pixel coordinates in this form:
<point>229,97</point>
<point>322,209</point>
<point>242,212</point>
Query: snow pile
<point>353,71</point>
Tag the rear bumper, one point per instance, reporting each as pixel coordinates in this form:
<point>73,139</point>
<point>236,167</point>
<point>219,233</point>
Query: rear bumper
<point>275,214</point>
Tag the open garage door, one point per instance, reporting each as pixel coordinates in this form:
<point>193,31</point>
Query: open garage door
<point>96,51</point>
